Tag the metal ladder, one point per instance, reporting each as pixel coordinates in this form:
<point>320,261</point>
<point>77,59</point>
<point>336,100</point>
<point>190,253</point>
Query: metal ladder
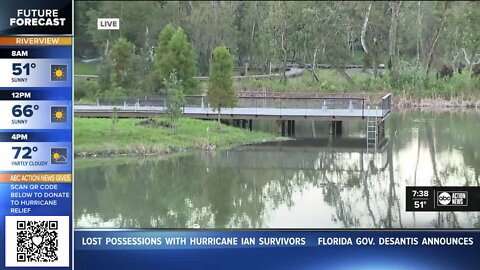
<point>372,129</point>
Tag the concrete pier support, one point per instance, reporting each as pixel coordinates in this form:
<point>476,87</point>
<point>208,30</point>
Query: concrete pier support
<point>286,127</point>
<point>290,127</point>
<point>240,123</point>
<point>226,122</point>
<point>336,128</point>
<point>283,128</point>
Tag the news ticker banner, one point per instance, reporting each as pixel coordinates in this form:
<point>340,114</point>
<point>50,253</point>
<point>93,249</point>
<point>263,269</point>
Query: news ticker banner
<point>36,133</point>
<point>270,249</point>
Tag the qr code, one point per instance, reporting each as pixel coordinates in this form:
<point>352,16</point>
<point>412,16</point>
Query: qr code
<point>37,241</point>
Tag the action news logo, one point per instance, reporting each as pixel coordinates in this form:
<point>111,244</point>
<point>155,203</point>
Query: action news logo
<point>452,198</point>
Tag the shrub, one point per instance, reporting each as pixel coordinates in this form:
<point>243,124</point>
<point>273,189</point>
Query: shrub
<point>85,89</point>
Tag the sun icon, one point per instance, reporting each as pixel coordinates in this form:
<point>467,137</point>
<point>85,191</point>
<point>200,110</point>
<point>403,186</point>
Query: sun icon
<point>56,155</point>
<point>59,73</point>
<point>58,115</point>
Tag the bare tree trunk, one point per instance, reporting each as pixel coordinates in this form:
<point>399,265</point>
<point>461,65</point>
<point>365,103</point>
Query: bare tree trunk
<point>455,47</point>
<point>284,54</point>
<point>362,41</point>
<point>375,64</point>
<point>121,18</point>
<point>364,29</point>
<point>344,75</point>
<point>434,44</point>
<point>253,32</point>
<point>474,54</point>
<point>178,13</point>
<point>470,60</point>
<point>419,33</point>
<point>106,47</point>
<point>466,57</point>
<point>351,42</point>
<point>314,65</point>
<point>304,49</point>
<point>395,10</point>
<point>340,70</point>
<point>252,40</point>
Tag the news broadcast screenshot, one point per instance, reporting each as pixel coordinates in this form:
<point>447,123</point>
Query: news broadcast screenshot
<point>239,134</point>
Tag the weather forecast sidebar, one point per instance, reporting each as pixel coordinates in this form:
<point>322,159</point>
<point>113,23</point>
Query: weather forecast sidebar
<point>36,116</point>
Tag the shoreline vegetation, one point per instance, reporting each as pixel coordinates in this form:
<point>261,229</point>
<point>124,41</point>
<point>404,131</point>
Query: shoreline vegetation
<point>461,90</point>
<point>409,91</point>
<point>100,137</point>
<point>404,103</point>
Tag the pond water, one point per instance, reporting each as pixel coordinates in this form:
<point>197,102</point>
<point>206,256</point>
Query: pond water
<point>312,182</point>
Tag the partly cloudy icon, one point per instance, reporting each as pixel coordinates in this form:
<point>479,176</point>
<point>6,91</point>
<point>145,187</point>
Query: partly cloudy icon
<point>58,155</point>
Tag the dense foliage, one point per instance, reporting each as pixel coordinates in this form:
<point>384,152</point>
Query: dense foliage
<point>409,37</point>
<point>221,93</point>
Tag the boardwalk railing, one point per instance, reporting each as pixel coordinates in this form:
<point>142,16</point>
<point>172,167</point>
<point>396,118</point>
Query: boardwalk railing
<point>320,108</point>
<point>386,104</point>
<point>247,102</point>
<point>332,105</point>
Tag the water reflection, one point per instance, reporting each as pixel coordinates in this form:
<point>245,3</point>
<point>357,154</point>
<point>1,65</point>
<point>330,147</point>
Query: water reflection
<point>305,183</point>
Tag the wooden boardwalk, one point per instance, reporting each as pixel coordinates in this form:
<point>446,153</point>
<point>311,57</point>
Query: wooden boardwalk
<point>326,109</point>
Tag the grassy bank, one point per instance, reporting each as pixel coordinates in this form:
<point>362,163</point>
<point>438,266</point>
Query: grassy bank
<point>96,137</point>
<point>85,68</point>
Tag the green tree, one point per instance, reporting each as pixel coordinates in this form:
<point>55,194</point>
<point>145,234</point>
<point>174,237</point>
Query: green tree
<point>221,93</point>
<point>164,38</point>
<point>105,78</point>
<point>161,52</point>
<point>115,73</point>
<point>175,99</point>
<point>122,54</point>
<point>178,55</point>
